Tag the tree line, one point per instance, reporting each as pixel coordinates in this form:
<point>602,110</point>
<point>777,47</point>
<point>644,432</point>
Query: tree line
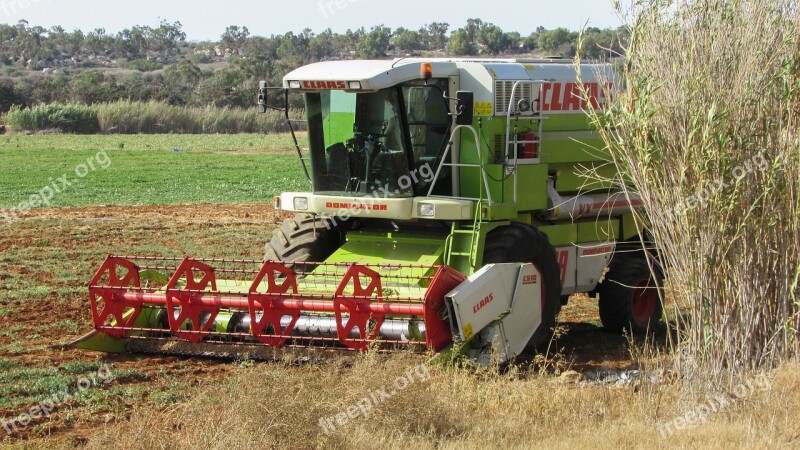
<point>144,64</point>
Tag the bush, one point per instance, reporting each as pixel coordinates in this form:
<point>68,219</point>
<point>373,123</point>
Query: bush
<point>142,65</point>
<point>74,118</point>
<point>200,58</point>
<point>157,117</point>
<point>144,118</point>
<point>708,131</point>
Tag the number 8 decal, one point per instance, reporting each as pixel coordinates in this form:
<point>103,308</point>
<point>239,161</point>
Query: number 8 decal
<point>563,261</point>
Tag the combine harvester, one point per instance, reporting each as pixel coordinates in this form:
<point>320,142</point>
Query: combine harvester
<point>452,201</point>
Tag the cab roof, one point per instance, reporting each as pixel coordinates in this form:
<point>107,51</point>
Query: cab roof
<point>381,74</point>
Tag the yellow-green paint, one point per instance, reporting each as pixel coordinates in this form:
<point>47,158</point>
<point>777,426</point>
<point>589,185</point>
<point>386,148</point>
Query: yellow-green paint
<point>630,228</point>
<point>387,248</point>
<point>101,342</point>
<point>499,211</point>
<point>562,234</point>
<point>598,230</point>
<point>583,177</point>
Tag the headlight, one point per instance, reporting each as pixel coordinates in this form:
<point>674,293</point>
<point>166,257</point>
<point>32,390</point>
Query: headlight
<point>294,85</point>
<point>300,204</point>
<point>427,210</point>
<point>355,85</point>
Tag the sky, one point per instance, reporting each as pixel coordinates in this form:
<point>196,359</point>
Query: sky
<point>206,20</point>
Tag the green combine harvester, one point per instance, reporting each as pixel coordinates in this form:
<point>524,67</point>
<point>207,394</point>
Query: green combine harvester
<point>451,201</point>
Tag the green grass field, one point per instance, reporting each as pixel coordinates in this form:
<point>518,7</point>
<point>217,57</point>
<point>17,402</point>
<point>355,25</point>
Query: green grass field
<point>149,169</point>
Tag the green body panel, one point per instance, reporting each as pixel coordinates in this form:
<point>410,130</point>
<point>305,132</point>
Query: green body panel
<point>598,231</point>
<point>531,178</point>
<point>572,147</point>
<point>374,247</point>
<point>629,227</point>
<point>531,190</point>
<point>583,177</point>
<point>570,151</point>
<point>560,235</point>
<point>466,245</point>
<point>566,122</point>
<point>500,211</point>
<point>101,342</point>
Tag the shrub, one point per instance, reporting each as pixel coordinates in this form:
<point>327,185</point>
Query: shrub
<point>156,117</point>
<point>142,65</point>
<point>707,132</point>
<point>145,118</point>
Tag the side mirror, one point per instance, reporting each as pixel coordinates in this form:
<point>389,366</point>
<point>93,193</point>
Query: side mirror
<point>262,97</point>
<point>465,107</point>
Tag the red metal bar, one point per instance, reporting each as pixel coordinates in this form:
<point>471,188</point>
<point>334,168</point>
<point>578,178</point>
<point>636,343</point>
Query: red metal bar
<point>243,336</point>
<point>400,309</point>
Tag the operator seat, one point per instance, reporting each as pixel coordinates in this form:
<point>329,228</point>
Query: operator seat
<point>338,164</point>
<point>389,166</point>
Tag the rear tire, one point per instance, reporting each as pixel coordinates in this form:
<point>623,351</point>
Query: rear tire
<point>304,238</point>
<point>519,242</point>
<point>629,296</point>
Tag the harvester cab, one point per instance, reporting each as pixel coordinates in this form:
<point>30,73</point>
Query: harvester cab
<point>450,201</point>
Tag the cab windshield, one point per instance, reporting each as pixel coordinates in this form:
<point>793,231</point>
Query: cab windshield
<point>384,144</point>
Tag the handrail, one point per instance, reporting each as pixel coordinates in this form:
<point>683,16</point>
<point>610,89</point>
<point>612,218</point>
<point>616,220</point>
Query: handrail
<point>480,164</point>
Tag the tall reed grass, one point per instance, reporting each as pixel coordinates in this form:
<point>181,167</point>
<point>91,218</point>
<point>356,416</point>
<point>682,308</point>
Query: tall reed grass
<point>707,131</point>
<point>128,117</point>
<point>73,118</point>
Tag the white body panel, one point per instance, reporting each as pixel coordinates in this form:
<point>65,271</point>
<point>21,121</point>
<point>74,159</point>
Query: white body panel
<point>525,315</point>
<point>584,206</point>
<point>377,207</point>
<point>568,264</point>
<point>592,262</point>
<point>582,266</point>
<point>483,77</point>
<point>483,298</point>
<point>501,305</point>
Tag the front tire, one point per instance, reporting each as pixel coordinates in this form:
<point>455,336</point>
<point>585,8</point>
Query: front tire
<point>520,242</point>
<point>304,238</point>
<point>629,295</point>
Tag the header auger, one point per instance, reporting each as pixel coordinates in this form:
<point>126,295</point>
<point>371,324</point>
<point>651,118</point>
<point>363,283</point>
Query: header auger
<point>451,201</point>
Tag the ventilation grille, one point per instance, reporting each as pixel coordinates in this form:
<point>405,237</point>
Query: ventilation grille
<point>502,94</point>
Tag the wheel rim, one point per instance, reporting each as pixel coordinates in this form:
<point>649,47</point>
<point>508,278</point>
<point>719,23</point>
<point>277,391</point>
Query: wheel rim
<point>645,299</point>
